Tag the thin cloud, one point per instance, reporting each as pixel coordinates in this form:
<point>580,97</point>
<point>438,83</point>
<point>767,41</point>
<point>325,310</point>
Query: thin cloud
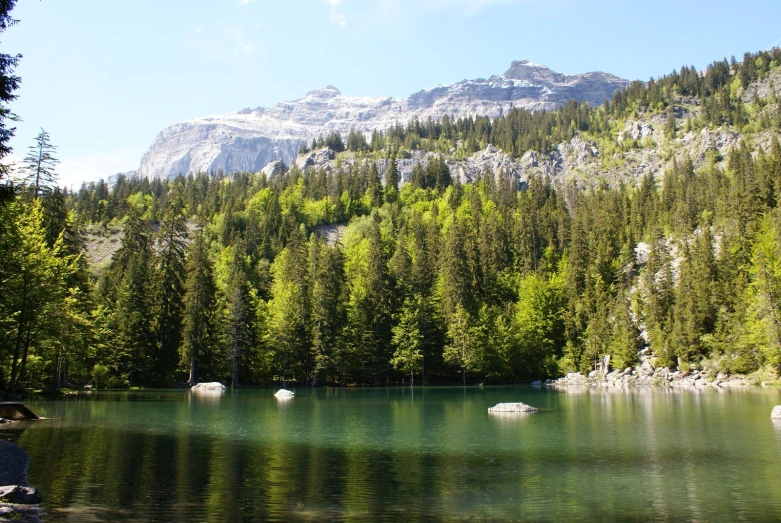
<point>336,17</point>
<point>247,2</point>
<point>241,45</point>
<point>199,29</point>
<point>247,48</point>
<point>339,19</point>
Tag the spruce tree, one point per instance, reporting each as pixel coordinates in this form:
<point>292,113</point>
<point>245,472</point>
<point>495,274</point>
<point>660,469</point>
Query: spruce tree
<point>172,240</point>
<point>39,165</point>
<point>408,340</point>
<point>240,317</point>
<point>392,180</point>
<point>8,84</point>
<point>198,333</point>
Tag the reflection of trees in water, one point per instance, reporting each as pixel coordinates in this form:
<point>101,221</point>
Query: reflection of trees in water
<point>391,455</point>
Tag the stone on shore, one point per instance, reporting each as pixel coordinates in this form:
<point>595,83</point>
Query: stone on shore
<point>20,495</point>
<point>17,502</point>
<point>776,414</point>
<point>511,407</point>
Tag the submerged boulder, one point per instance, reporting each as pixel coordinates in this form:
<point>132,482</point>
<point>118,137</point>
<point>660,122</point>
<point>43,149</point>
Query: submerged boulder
<point>511,407</point>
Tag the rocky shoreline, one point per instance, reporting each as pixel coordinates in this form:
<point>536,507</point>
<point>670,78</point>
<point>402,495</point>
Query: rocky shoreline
<point>18,502</point>
<point>646,374</point>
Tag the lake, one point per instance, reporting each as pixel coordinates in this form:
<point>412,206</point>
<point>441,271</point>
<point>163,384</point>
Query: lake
<point>391,454</point>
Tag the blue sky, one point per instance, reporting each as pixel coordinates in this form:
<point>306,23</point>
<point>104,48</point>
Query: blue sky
<point>103,77</point>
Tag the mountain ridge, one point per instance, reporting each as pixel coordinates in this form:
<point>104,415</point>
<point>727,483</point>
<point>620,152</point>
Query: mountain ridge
<point>249,139</point>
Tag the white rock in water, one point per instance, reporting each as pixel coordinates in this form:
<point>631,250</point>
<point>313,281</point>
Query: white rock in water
<point>284,393</point>
<point>209,387</point>
<point>511,407</point>
<point>776,414</point>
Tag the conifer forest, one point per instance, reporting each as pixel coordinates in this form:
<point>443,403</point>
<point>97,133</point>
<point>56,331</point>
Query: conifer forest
<point>355,276</point>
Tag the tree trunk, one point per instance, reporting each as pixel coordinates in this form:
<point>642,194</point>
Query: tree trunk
<point>463,375</point>
<point>58,376</point>
<point>15,360</point>
<point>192,371</point>
<point>235,374</point>
<point>23,366</point>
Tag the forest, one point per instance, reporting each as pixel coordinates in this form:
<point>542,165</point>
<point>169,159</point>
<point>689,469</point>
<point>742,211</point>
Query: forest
<point>229,278</point>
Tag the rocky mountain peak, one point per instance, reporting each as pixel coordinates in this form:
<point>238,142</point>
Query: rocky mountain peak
<point>329,91</point>
<point>532,72</point>
<point>250,139</point>
<point>526,63</point>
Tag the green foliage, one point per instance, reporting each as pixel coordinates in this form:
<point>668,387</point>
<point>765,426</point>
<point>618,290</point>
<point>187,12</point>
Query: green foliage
<point>329,277</point>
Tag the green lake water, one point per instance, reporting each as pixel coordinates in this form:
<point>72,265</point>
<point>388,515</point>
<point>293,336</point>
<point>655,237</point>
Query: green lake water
<point>434,454</point>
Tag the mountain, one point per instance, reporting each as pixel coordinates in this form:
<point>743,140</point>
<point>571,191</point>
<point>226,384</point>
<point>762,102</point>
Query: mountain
<point>251,138</point>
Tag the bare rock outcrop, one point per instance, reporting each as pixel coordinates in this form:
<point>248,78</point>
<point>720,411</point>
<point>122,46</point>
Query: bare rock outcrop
<point>274,168</point>
<point>251,138</point>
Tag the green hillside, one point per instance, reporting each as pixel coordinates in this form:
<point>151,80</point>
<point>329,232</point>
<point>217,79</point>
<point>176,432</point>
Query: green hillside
<point>227,278</point>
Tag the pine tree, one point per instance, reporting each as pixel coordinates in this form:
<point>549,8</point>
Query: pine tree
<point>408,340</point>
<point>39,165</point>
<point>289,311</point>
<point>198,334</point>
<point>462,347</point>
<point>8,84</point>
<point>374,191</point>
<point>172,240</point>
<point>240,317</point>
<point>625,340</point>
<point>392,180</point>
<point>327,277</point>
<point>135,319</point>
<point>56,218</point>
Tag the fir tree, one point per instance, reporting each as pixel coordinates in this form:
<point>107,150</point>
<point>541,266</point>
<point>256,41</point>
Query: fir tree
<point>172,240</point>
<point>39,165</point>
<point>198,333</point>
<point>408,340</point>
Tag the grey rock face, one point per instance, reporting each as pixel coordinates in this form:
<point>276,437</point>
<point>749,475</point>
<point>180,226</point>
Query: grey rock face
<point>274,168</point>
<point>251,138</point>
<point>490,160</point>
<point>13,464</point>
<point>636,131</point>
<point>318,158</point>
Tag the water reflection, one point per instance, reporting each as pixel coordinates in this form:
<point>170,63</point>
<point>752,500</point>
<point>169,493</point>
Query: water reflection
<point>391,454</point>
